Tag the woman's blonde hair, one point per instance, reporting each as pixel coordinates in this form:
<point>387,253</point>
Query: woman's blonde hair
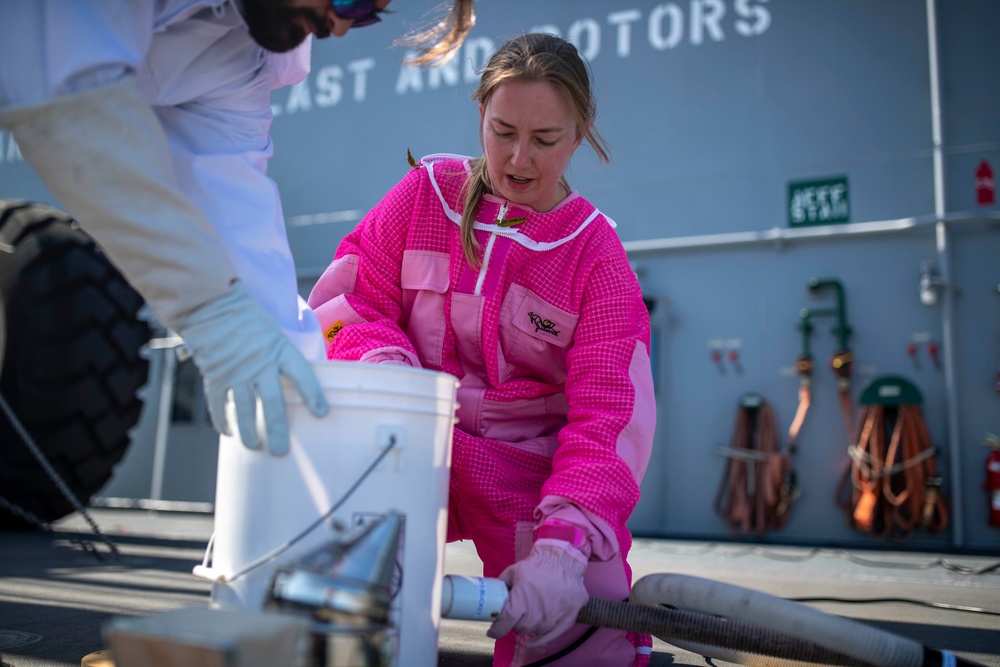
<point>438,43</point>
<point>530,57</point>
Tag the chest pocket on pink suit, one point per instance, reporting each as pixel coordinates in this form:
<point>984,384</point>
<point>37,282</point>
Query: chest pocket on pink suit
<point>424,277</point>
<point>534,337</point>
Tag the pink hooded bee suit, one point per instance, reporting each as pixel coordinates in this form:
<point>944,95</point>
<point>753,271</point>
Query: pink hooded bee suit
<point>550,340</point>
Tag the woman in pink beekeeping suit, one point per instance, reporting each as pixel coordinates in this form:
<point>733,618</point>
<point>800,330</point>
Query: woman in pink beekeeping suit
<point>494,270</point>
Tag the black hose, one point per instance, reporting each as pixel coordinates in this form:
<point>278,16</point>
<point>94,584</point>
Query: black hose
<point>696,627</point>
<point>746,627</point>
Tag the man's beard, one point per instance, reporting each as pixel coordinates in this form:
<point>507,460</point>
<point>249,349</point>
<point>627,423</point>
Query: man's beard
<point>273,24</point>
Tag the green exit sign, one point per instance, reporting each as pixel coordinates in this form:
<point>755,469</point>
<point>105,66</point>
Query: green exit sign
<point>818,202</point>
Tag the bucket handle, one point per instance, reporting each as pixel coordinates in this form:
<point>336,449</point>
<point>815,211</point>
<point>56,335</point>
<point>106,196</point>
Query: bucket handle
<point>205,571</point>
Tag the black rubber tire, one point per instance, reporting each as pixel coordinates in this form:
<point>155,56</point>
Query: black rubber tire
<point>72,366</point>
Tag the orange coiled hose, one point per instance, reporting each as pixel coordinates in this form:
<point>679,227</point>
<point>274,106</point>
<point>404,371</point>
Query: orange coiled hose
<point>752,495</point>
<point>894,483</point>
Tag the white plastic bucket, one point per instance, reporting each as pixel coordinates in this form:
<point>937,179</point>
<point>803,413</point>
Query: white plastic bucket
<point>262,502</point>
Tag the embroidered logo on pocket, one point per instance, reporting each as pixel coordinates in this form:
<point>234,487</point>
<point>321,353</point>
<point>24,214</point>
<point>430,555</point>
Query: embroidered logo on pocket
<point>333,330</point>
<point>548,326</point>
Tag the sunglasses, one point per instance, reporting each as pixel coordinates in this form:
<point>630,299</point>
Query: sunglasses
<point>363,12</point>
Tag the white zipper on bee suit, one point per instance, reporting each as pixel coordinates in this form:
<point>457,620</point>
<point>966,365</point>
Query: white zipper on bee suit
<point>489,250</point>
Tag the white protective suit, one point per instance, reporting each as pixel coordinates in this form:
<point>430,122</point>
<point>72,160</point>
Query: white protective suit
<point>208,84</point>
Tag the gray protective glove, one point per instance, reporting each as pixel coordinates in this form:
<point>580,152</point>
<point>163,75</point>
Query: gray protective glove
<point>546,593</point>
<point>242,354</point>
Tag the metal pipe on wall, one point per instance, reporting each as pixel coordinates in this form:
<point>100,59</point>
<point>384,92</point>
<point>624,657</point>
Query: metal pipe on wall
<point>944,268</point>
<point>168,366</point>
<point>779,235</point>
<point>775,236</point>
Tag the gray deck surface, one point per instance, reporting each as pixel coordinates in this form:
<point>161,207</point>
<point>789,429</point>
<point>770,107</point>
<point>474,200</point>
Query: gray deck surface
<point>55,597</point>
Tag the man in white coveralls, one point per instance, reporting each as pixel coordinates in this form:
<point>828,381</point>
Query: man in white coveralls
<point>149,121</point>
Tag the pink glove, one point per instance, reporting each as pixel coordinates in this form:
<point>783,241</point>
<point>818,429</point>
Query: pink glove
<point>546,593</point>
